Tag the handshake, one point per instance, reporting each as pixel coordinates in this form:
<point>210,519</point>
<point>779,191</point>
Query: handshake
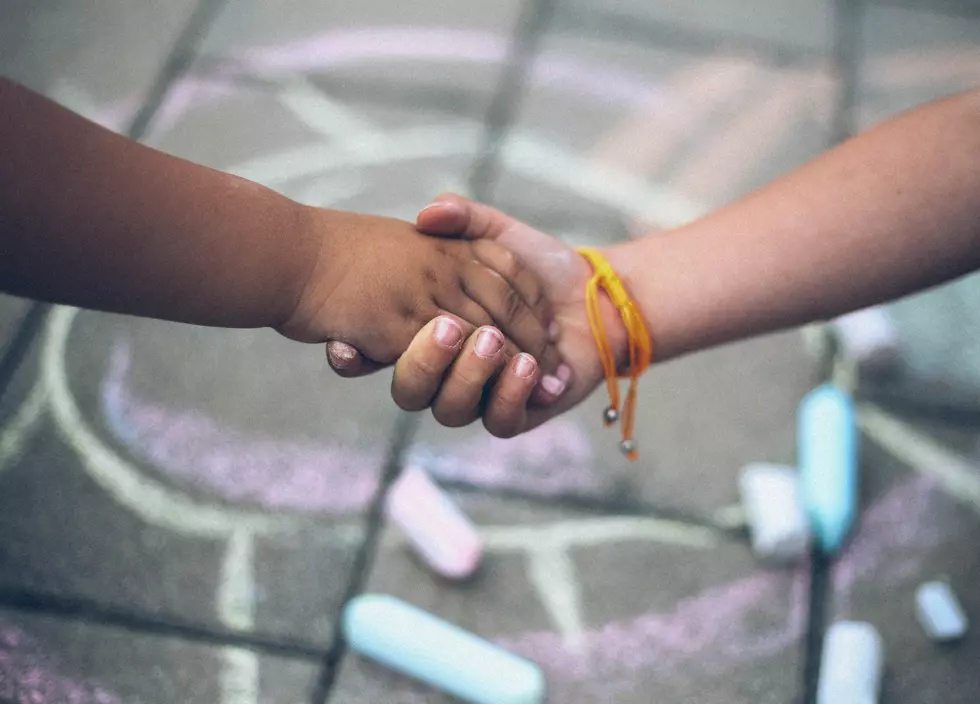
<point>482,315</point>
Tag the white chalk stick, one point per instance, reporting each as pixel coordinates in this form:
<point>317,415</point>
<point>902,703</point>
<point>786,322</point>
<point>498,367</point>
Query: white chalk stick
<point>868,337</point>
<point>778,525</point>
<point>433,525</point>
<point>939,612</point>
<point>851,664</point>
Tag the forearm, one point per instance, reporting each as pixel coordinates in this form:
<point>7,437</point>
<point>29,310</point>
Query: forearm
<point>891,212</point>
<point>92,219</point>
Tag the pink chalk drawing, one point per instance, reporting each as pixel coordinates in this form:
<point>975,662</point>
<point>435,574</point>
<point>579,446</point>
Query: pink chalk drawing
<point>193,448</point>
<point>720,627</point>
<point>29,676</point>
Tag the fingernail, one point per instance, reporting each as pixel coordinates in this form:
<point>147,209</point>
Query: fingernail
<point>434,204</point>
<point>552,384</point>
<point>524,367</point>
<point>553,331</point>
<point>341,352</point>
<point>564,372</point>
<point>448,332</point>
<point>488,342</point>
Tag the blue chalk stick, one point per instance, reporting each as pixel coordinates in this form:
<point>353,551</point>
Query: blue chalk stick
<point>828,460</point>
<point>434,651</point>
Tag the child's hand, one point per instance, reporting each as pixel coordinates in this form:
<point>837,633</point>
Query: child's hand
<point>377,282</point>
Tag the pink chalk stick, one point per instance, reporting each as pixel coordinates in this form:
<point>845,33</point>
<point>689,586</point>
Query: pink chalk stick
<point>433,525</point>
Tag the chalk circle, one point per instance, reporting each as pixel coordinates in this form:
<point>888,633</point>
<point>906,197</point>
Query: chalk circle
<point>524,154</point>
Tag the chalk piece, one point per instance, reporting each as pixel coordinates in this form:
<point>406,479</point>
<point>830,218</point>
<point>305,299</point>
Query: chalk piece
<point>777,522</point>
<point>433,525</point>
<point>418,644</point>
<point>869,337</point>
<point>939,612</point>
<point>851,664</point>
<point>828,459</point>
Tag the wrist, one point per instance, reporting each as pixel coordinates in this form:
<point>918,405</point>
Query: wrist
<point>623,258</point>
<point>612,320</point>
<point>300,271</point>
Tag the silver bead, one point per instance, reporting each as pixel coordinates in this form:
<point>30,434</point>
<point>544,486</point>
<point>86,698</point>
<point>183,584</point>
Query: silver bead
<point>627,446</point>
<point>610,415</point>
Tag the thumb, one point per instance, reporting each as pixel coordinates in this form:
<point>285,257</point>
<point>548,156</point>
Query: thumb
<point>453,215</point>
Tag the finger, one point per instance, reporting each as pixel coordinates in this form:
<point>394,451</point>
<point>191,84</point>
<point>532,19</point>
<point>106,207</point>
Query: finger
<point>506,263</point>
<point>460,397</point>
<point>420,370</point>
<point>505,412</point>
<point>471,315</point>
<point>511,313</point>
<point>348,362</point>
<point>452,214</point>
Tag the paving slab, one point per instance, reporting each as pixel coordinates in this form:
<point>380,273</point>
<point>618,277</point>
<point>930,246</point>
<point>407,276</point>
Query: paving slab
<point>915,526</point>
<point>612,609</point>
<point>99,58</point>
<point>45,659</point>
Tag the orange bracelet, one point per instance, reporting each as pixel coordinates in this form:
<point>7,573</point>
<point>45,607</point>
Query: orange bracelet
<point>640,345</point>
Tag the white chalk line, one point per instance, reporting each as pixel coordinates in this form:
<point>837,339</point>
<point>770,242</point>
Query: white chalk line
<point>239,679</point>
<point>923,454</point>
<point>523,154</point>
<point>552,573</point>
<point>592,532</point>
<point>328,118</point>
<point>20,428</point>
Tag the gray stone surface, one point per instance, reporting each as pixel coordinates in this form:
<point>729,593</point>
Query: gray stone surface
<point>45,659</point>
<point>11,313</point>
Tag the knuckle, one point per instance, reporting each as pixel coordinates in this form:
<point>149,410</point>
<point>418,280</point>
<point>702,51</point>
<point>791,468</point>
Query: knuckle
<point>510,263</point>
<point>429,369</point>
<point>514,304</point>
